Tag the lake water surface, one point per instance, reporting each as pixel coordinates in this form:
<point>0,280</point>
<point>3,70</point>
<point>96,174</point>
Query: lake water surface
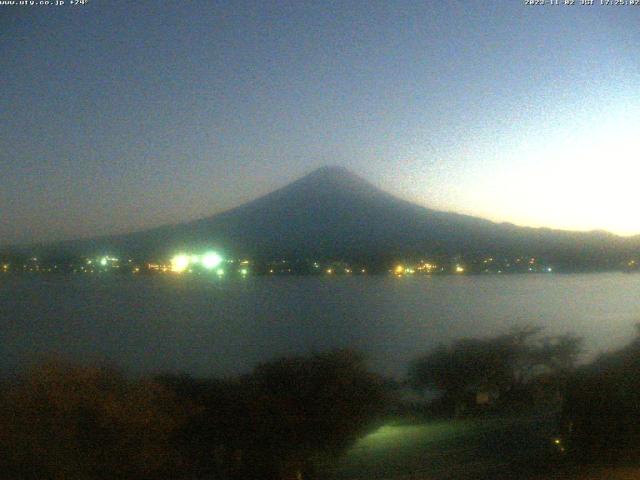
<point>207,326</point>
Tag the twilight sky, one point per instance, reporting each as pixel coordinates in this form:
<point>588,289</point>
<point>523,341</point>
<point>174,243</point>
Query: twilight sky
<point>117,116</point>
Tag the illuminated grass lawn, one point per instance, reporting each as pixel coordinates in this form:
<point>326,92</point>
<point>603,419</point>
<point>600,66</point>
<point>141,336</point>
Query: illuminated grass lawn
<point>404,436</point>
<point>449,449</point>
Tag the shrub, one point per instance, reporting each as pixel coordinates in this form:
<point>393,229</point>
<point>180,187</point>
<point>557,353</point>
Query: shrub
<point>64,421</point>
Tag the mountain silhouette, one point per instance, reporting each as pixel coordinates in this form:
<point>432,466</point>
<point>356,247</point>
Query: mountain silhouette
<point>333,213</point>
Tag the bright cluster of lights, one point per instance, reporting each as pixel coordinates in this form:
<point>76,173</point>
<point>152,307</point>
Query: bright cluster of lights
<point>179,263</point>
<point>423,268</point>
<point>426,267</point>
<point>209,261</point>
<point>104,261</point>
<point>402,270</point>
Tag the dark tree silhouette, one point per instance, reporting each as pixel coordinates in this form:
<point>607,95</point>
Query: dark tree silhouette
<point>600,418</point>
<point>305,408</point>
<point>64,421</point>
<point>282,419</point>
<point>61,420</point>
<point>501,367</point>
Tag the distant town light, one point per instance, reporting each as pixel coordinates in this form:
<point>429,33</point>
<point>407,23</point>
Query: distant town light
<point>103,261</point>
<point>220,272</point>
<point>179,263</point>
<point>211,260</point>
<point>244,271</point>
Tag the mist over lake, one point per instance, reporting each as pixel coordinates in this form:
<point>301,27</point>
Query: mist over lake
<point>207,326</point>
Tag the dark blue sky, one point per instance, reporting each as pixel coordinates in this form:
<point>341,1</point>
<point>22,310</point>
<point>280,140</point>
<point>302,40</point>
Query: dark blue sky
<point>117,116</point>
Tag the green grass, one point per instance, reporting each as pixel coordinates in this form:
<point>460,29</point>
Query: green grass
<point>498,447</point>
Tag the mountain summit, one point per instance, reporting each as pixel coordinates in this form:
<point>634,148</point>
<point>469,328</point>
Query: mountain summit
<point>326,182</point>
<point>332,173</point>
<point>333,213</point>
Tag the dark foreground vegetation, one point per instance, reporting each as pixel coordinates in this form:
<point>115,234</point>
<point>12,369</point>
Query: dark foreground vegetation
<point>60,421</point>
<point>517,370</point>
<point>511,406</point>
<point>600,419</point>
